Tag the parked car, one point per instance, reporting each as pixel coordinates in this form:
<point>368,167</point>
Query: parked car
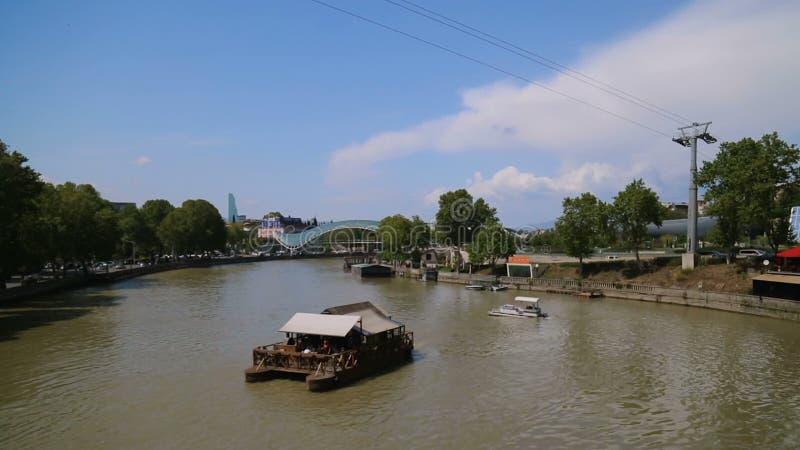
<point>748,252</point>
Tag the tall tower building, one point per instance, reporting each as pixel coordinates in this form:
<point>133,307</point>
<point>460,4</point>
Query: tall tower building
<point>233,214</point>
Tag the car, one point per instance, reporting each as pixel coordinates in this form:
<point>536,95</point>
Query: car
<point>749,252</point>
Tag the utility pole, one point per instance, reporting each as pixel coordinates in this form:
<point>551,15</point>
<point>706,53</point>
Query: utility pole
<point>688,138</point>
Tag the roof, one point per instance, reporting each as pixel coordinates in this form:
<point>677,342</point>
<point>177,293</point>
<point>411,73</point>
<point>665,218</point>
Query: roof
<point>373,319</point>
<point>776,278</point>
<point>526,299</point>
<point>791,253</point>
<point>320,324</point>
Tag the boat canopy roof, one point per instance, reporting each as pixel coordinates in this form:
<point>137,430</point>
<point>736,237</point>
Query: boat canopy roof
<point>373,319</point>
<point>520,298</point>
<point>320,324</point>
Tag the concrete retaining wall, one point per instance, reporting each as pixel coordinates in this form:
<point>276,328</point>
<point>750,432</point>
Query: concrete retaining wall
<point>723,301</point>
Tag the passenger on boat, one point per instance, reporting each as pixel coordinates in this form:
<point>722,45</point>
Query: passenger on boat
<point>289,339</point>
<point>326,348</point>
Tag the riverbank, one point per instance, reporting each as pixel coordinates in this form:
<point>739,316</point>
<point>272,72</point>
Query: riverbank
<point>78,280</point>
<point>723,301</point>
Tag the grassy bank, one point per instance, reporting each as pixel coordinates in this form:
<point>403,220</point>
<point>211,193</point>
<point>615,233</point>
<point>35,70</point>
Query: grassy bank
<point>660,272</point>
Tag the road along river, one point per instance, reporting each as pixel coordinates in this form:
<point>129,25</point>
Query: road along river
<point>157,362</point>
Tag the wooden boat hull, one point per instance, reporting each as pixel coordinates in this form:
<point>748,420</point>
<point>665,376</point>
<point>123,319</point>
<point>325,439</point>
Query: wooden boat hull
<point>365,368</point>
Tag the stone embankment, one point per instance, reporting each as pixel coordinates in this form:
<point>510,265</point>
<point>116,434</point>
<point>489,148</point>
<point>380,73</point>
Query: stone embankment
<point>724,301</point>
<point>78,279</point>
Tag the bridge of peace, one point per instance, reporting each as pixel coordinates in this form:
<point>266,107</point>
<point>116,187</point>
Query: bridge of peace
<point>346,232</point>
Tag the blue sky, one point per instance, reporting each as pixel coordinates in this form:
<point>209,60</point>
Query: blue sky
<point>292,106</point>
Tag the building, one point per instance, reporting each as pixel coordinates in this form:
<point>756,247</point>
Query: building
<point>794,222</point>
<point>233,214</point>
<point>276,225</point>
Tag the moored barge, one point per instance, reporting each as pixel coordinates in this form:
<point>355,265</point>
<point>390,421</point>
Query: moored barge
<point>338,346</point>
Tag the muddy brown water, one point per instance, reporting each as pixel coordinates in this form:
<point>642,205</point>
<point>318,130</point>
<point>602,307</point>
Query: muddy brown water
<point>157,362</point>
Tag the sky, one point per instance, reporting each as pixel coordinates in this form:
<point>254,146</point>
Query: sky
<point>296,107</point>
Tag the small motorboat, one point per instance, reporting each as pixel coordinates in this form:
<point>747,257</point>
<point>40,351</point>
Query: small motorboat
<point>475,287</point>
<point>497,287</point>
<point>526,307</point>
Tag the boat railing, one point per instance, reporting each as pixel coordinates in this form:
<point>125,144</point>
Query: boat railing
<point>278,356</point>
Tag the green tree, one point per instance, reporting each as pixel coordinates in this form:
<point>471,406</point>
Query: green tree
<point>582,226</point>
<point>420,237</point>
<point>491,242</point>
<point>174,231</point>
<point>81,225</point>
<point>633,209</point>
<point>459,217</point>
<point>237,236</point>
<point>135,230</point>
<point>543,239</point>
<point>750,187</point>
<point>196,226</point>
<point>154,212</point>
<point>19,187</point>
<point>395,234</point>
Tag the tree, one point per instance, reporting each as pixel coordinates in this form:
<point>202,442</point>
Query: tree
<point>77,223</point>
<point>395,234</point>
<point>491,241</point>
<point>134,229</point>
<point>19,187</point>
<point>236,236</point>
<point>174,231</point>
<point>633,209</point>
<point>543,239</point>
<point>196,226</point>
<point>420,237</point>
<point>154,212</point>
<point>750,187</point>
<point>582,225</point>
<point>459,217</point>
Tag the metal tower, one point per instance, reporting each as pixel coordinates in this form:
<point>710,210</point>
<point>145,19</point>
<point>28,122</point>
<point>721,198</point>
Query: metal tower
<point>688,138</point>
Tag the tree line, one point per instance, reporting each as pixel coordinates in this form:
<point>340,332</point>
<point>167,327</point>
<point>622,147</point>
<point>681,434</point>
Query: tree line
<point>750,187</point>
<point>44,223</point>
<point>461,221</point>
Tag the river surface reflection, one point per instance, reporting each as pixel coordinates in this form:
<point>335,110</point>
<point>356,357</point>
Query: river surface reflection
<point>157,362</point>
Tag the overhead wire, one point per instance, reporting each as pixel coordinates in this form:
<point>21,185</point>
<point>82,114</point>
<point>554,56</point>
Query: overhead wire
<point>538,59</point>
<point>490,66</point>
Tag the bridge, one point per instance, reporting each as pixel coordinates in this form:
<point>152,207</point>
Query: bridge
<point>298,241</point>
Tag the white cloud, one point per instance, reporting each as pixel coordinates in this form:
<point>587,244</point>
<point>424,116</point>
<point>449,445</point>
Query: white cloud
<point>432,198</point>
<point>142,161</point>
<point>730,61</point>
<point>510,181</point>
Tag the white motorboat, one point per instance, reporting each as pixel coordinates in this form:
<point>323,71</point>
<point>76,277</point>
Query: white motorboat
<point>525,307</point>
<point>475,287</point>
<point>498,287</point>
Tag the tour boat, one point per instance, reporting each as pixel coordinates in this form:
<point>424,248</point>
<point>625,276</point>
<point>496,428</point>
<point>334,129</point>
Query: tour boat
<point>531,308</point>
<point>336,347</point>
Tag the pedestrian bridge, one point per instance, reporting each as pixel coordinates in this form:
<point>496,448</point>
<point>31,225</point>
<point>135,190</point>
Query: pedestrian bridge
<point>296,241</point>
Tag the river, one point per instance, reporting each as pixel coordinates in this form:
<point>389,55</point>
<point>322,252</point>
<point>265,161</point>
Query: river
<point>157,362</point>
